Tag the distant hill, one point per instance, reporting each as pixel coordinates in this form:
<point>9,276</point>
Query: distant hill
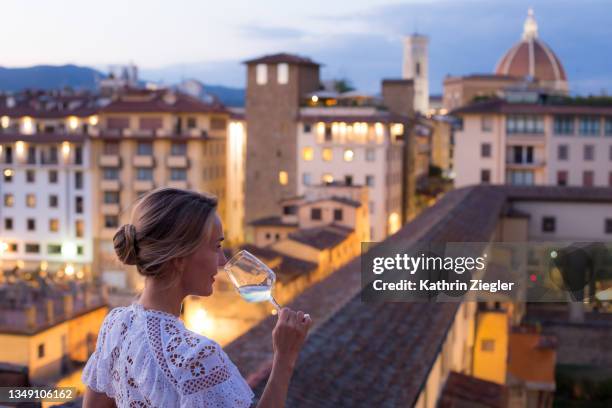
<point>76,77</point>
<point>48,77</point>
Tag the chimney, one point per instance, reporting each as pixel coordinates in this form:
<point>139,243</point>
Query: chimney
<point>398,96</point>
<point>30,313</point>
<point>50,311</point>
<point>68,305</point>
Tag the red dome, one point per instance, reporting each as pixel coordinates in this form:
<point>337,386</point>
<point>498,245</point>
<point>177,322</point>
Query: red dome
<point>532,58</point>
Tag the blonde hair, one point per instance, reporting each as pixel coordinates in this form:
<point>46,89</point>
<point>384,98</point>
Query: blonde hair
<point>166,223</point>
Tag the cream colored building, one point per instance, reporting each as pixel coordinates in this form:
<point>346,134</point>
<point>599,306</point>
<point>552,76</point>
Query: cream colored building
<point>151,139</point>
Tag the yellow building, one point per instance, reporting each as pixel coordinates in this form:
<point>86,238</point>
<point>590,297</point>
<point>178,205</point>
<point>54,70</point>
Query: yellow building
<point>491,347</point>
<point>150,139</point>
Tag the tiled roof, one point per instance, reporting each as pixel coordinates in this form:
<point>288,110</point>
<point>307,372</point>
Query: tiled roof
<point>161,101</point>
<point>532,358</point>
<point>463,390</point>
<point>341,200</point>
<point>365,355</point>
<point>272,221</point>
<point>324,237</point>
<point>489,77</point>
<point>381,116</point>
<point>48,105</point>
<point>282,58</point>
<point>501,106</point>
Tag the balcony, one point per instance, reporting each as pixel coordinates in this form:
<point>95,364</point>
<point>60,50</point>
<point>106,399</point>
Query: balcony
<point>181,162</point>
<point>183,184</point>
<point>143,161</point>
<point>143,185</point>
<point>110,209</point>
<point>110,160</point>
<point>110,185</point>
<point>526,165</point>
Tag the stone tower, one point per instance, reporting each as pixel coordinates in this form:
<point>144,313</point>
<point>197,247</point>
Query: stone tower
<point>416,67</point>
<point>276,85</point>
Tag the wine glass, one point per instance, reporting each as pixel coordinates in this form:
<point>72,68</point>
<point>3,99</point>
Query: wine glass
<point>252,278</point>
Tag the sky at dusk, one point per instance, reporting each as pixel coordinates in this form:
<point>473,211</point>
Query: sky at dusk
<point>356,39</point>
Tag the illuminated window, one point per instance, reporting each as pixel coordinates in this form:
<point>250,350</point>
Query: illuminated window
<point>53,225</point>
<point>8,175</point>
<point>308,153</point>
<point>328,178</point>
<point>349,155</point>
<point>261,74</point>
<point>283,178</point>
<point>31,200</point>
<point>327,154</point>
<point>394,223</point>
<point>79,228</point>
<point>9,200</point>
<point>282,71</point>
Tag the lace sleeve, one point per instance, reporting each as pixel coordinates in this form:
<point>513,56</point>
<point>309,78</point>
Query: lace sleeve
<point>95,374</point>
<point>198,368</point>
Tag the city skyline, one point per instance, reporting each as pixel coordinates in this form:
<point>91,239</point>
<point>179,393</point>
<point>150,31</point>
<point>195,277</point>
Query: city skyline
<point>460,35</point>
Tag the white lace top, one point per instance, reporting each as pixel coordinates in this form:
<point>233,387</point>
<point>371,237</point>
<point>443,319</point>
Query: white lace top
<point>148,358</point>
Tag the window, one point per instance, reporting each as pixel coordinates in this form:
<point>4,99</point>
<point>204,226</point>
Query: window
<point>315,213</point>
<point>53,201</point>
<point>53,176</point>
<point>31,157</point>
<point>369,180</point>
<point>283,178</point>
<point>144,149</point>
<point>589,125</point>
<point>54,249</point>
<point>218,124</point>
<point>53,225</point>
<point>307,128</point>
<point>282,73</point>
<point>308,153</point>
<point>111,197</point>
<point>31,200</point>
<point>548,224</point>
<point>589,153</point>
<point>328,132</point>
<point>370,155</point>
<point>78,204</point>
<point>349,155</point>
<point>486,123</point>
<point>608,225</point>
<point>261,74</point>
<point>524,124</point>
<point>80,250</point>
<point>268,235</point>
<point>487,345</point>
<point>563,125</point>
<point>290,210</point>
<point>31,224</point>
<point>110,173</point>
<point>562,152</point>
<point>111,221</point>
<point>348,180</point>
<point>327,178</point>
<point>522,154</point>
<point>8,175</point>
<point>79,228</point>
<point>485,176</point>
<point>9,200</point>
<point>306,179</point>
<point>191,122</point>
<point>8,224</point>
<point>41,350</point>
<point>178,149</point>
<point>562,178</point>
<point>111,148</point>
<point>150,124</point>
<point>78,180</point>
<point>144,174</point>
<point>178,174</point>
<point>520,177</point>
<point>8,154</point>
<point>78,155</point>
<point>338,214</point>
<point>608,127</point>
<point>587,178</point>
<point>30,176</point>
<point>485,150</point>
<point>327,154</point>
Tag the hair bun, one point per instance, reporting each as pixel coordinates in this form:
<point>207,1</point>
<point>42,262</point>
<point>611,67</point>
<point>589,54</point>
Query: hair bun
<point>125,244</point>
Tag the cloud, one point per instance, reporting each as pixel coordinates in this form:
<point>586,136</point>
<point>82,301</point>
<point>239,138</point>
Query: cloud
<point>272,33</point>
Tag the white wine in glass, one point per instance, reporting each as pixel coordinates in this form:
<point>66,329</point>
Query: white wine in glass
<point>252,278</point>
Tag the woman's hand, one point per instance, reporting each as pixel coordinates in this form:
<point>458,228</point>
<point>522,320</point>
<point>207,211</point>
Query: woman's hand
<point>289,334</point>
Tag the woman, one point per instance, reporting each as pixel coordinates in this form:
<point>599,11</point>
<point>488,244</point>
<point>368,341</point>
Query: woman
<point>145,357</point>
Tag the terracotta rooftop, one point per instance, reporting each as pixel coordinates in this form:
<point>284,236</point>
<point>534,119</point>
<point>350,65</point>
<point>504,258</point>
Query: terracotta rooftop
<point>324,237</point>
<point>380,354</point>
<point>463,390</point>
<point>501,106</point>
<point>48,105</point>
<point>272,221</point>
<point>162,101</point>
<point>282,58</point>
<point>341,200</point>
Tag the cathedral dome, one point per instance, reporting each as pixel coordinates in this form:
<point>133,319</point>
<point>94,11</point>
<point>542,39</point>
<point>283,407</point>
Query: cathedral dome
<point>532,58</point>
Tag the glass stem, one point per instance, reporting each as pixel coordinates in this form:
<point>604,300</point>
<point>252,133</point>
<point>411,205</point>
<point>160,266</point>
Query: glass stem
<point>275,304</point>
